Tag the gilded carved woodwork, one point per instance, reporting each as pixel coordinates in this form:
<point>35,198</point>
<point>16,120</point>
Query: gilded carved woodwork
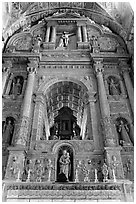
<point>80,73</point>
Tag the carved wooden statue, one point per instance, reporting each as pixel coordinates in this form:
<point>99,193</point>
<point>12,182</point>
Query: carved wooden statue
<point>8,132</point>
<point>65,164</point>
<point>79,166</point>
<point>123,131</point>
<point>64,39</point>
<point>113,88</point>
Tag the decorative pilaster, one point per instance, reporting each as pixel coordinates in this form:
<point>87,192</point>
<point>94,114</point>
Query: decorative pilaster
<point>110,141</point>
<point>125,72</point>
<point>104,106</point>
<point>5,73</point>
<point>84,33</point>
<point>22,133</point>
<point>47,34</point>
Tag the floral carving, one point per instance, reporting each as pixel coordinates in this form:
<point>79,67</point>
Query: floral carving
<point>25,43</point>
<point>108,44</point>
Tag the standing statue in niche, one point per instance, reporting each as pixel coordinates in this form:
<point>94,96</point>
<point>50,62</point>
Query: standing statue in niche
<point>123,131</point>
<point>8,132</point>
<point>65,164</point>
<point>113,88</point>
<point>18,87</point>
<point>64,39</point>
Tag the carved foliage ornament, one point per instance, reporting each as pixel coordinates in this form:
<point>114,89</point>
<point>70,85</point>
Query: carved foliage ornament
<point>24,43</point>
<point>107,44</point>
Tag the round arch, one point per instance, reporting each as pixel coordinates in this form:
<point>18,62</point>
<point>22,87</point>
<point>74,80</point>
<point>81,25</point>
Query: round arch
<point>46,85</point>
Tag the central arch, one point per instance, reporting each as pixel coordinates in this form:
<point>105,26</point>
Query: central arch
<point>65,94</point>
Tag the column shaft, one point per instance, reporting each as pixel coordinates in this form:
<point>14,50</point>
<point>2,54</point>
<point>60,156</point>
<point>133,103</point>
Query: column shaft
<point>102,96</point>
<point>22,133</point>
<point>79,35</point>
<point>28,94</point>
<point>47,34</point>
<point>104,107</point>
<point>129,88</point>
<point>53,34</point>
<point>84,33</point>
<point>37,129</point>
<point>97,139</point>
<point>5,74</point>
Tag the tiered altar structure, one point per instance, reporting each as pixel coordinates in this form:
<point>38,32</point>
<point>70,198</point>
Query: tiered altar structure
<point>67,96</point>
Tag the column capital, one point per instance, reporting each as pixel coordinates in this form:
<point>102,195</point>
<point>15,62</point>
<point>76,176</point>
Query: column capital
<point>91,97</point>
<point>98,66</point>
<point>40,98</point>
<point>5,69</point>
<point>31,70</point>
<point>32,66</point>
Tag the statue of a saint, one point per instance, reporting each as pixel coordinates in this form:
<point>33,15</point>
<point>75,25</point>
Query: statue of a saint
<point>37,43</point>
<point>18,87</point>
<point>8,132</point>
<point>123,130</point>
<point>79,167</point>
<point>113,88</point>
<point>50,168</point>
<point>65,164</point>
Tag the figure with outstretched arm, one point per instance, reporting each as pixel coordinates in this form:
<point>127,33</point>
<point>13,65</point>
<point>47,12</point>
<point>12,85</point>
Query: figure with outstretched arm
<point>64,39</point>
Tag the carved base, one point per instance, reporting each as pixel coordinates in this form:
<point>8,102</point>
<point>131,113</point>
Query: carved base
<point>69,191</point>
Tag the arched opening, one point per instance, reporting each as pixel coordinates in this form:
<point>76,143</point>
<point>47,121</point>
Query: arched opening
<point>66,111</point>
<point>65,164</point>
<point>65,125</point>
<point>16,86</point>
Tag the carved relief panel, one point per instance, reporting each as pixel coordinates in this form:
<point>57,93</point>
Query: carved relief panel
<point>128,166</point>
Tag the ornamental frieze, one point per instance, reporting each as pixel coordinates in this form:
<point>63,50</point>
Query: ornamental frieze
<point>72,55</point>
<point>80,146</point>
<point>65,66</point>
<point>66,187</point>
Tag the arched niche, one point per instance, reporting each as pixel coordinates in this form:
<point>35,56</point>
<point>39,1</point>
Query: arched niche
<point>65,126</point>
<point>16,85</point>
<point>114,86</point>
<point>124,131</point>
<point>65,173</point>
<point>8,130</point>
<point>64,94</point>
